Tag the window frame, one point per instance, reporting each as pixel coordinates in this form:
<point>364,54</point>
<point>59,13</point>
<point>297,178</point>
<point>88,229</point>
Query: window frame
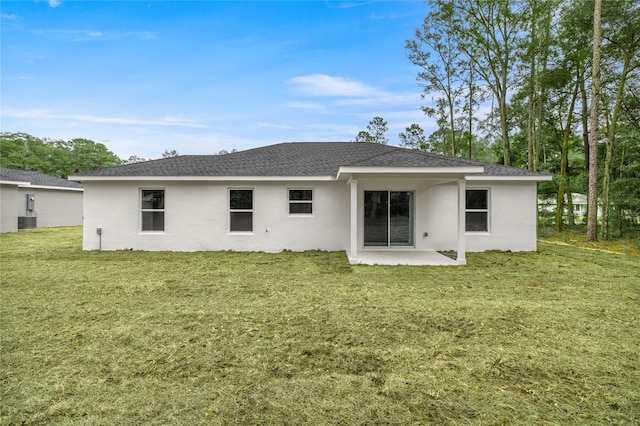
<point>231,210</point>
<point>310,202</point>
<point>486,211</point>
<point>144,210</point>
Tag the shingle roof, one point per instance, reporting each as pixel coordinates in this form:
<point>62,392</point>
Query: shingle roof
<point>299,159</point>
<point>35,178</point>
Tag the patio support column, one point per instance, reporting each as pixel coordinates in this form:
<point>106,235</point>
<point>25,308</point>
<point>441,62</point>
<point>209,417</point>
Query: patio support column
<point>462,197</point>
<point>353,253</point>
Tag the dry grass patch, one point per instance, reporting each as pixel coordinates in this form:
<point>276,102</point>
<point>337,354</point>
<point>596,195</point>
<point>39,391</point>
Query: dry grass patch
<point>576,236</point>
<point>291,338</point>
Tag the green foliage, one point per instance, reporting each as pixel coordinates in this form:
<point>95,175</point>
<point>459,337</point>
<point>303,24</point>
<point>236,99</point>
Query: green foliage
<point>413,137</point>
<point>23,151</point>
<point>55,158</point>
<point>534,57</point>
<point>375,132</point>
<point>363,136</point>
<point>134,159</point>
<point>169,154</point>
<point>131,337</point>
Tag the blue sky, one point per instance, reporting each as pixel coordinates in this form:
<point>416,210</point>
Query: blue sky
<point>203,76</point>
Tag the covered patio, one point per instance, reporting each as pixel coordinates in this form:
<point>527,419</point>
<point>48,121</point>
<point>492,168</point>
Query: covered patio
<point>362,253</point>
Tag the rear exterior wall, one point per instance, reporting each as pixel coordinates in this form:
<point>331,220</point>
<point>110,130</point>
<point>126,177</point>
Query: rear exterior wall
<point>197,216</point>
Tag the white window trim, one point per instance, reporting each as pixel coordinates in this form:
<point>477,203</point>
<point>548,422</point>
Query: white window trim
<point>252,210</point>
<point>312,202</point>
<point>140,230</point>
<point>487,210</point>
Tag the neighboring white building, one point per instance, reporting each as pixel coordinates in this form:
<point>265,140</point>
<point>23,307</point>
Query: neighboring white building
<point>379,203</point>
<point>30,199</point>
<point>547,206</point>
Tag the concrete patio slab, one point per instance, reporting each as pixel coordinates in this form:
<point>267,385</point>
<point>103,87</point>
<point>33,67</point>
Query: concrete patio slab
<point>402,257</point>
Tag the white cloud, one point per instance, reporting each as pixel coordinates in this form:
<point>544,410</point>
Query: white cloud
<point>276,126</point>
<point>54,3</point>
<point>384,98</point>
<point>46,114</point>
<point>346,4</point>
<point>350,92</point>
<point>327,85</point>
<point>90,35</point>
<point>377,17</point>
<point>22,77</point>
<point>306,105</point>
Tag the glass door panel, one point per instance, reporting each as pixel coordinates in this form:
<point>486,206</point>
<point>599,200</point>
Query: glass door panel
<point>376,218</point>
<point>401,218</point>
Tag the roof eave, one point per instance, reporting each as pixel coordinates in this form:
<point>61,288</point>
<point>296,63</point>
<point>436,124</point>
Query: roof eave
<point>29,185</point>
<point>14,182</point>
<point>536,178</point>
<point>200,178</point>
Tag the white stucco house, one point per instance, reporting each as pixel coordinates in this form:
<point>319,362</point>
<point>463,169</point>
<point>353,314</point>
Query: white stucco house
<point>30,199</point>
<point>379,203</point>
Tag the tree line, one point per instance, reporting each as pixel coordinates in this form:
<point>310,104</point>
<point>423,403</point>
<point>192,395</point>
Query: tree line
<point>59,157</point>
<point>547,85</point>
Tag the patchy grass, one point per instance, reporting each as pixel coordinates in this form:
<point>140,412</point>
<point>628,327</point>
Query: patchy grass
<point>577,236</point>
<point>304,338</point>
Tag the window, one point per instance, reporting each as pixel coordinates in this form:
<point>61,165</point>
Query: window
<point>241,210</point>
<point>300,201</point>
<point>152,210</point>
<point>477,210</point>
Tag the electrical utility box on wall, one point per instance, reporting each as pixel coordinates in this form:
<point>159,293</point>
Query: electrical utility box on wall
<point>31,203</point>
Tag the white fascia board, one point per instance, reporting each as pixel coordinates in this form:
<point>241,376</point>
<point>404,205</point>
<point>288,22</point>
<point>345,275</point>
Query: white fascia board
<point>203,178</point>
<point>510,178</point>
<point>13,182</point>
<point>351,170</point>
<point>56,188</point>
<point>28,185</point>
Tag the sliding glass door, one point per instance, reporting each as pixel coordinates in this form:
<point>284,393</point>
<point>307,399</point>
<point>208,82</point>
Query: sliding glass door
<point>388,218</point>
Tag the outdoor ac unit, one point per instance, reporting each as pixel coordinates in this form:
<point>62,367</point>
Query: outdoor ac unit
<point>27,222</point>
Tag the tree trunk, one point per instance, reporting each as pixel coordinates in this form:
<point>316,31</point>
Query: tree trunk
<point>611,139</point>
<point>606,181</point>
<point>531,122</point>
<point>502,102</point>
<point>585,122</point>
<point>564,160</point>
<point>470,109</point>
<point>531,119</point>
<point>453,129</point>
<point>571,217</point>
<point>592,203</point>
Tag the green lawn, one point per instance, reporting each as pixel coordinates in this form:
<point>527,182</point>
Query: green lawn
<point>304,338</point>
